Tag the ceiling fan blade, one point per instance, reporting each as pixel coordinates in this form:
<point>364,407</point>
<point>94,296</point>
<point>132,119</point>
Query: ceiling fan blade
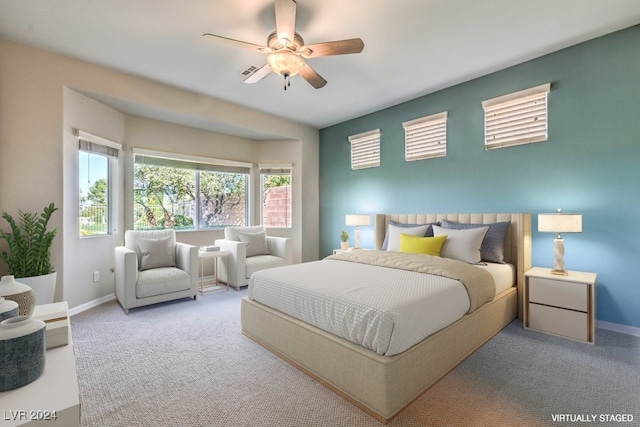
<point>234,42</point>
<point>258,75</point>
<point>311,76</point>
<point>340,47</point>
<point>286,19</point>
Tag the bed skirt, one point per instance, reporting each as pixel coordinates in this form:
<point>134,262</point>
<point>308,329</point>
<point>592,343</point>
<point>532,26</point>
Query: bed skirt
<point>381,386</point>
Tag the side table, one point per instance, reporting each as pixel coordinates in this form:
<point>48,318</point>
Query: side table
<point>561,305</point>
<point>214,286</point>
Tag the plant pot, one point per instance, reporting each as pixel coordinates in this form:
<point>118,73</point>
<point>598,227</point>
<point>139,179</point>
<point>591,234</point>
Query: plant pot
<point>19,292</point>
<point>23,349</point>
<point>43,286</point>
<point>344,245</point>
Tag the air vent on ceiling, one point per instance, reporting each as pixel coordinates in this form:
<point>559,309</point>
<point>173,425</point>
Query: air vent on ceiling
<point>249,71</point>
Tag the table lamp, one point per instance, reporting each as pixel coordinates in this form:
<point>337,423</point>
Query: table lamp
<point>559,223</point>
<point>357,220</point>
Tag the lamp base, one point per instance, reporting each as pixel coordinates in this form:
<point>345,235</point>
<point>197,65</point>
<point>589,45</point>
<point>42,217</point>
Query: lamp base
<point>559,272</point>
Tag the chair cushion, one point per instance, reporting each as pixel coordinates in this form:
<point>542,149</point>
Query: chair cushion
<point>256,243</point>
<point>163,280</point>
<point>262,262</point>
<point>157,253</point>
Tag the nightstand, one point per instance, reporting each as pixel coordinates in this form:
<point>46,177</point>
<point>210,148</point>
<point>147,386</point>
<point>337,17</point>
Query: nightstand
<point>340,251</point>
<point>561,305</point>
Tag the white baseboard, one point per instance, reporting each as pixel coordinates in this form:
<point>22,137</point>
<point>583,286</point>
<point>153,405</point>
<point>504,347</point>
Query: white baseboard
<point>616,327</point>
<point>86,306</point>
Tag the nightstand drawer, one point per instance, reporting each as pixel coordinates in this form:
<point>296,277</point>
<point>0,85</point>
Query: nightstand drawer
<point>572,324</point>
<point>559,294</point>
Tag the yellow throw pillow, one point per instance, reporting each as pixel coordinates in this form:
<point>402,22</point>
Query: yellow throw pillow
<point>421,245</point>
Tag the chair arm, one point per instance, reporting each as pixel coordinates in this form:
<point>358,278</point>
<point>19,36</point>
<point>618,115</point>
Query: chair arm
<point>281,247</point>
<point>235,274</point>
<point>187,260</point>
<point>126,275</point>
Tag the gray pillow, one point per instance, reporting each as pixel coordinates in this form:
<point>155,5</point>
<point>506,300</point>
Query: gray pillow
<point>157,253</point>
<point>463,245</point>
<point>256,243</point>
<point>231,232</point>
<point>492,249</point>
<point>385,244</point>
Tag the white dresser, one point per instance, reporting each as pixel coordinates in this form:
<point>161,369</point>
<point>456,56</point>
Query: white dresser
<point>51,400</point>
<point>561,305</point>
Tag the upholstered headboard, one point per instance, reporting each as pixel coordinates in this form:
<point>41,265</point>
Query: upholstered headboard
<point>517,250</point>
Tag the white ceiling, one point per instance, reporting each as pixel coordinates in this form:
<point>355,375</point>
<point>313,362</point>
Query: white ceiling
<point>412,47</point>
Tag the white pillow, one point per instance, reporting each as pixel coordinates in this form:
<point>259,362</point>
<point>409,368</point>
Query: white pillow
<point>157,253</point>
<point>256,243</point>
<point>463,245</point>
<point>395,231</point>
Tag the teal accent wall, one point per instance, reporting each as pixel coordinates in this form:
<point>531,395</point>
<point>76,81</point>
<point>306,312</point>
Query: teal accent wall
<point>590,164</point>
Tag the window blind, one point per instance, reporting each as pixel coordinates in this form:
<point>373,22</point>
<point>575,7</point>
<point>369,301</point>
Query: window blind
<point>95,144</point>
<point>365,150</point>
<point>275,169</point>
<point>426,137</point>
<point>517,118</point>
<point>189,164</point>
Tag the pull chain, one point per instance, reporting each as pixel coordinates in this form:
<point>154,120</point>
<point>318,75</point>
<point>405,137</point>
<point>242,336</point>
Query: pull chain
<point>287,81</point>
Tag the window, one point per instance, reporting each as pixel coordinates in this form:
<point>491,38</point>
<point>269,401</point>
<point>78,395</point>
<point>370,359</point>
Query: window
<point>517,118</point>
<point>365,150</point>
<point>275,185</point>
<point>426,137</point>
<point>187,193</point>
<point>97,166</point>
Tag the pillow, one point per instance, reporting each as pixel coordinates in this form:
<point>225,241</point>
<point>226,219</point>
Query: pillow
<point>421,245</point>
<point>429,232</point>
<point>231,232</point>
<point>463,245</point>
<point>393,234</point>
<point>157,253</point>
<point>492,249</point>
<point>256,243</point>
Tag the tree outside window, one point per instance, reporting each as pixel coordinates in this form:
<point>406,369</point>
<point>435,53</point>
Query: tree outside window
<point>94,213</point>
<point>186,195</point>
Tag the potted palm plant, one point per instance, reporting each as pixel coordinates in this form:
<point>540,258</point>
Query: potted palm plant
<point>29,256</point>
<point>344,240</point>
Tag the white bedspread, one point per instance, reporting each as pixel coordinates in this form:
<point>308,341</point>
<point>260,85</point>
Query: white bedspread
<point>382,309</point>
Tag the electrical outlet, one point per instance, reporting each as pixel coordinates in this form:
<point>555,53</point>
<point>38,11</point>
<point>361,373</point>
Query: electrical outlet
<point>96,276</point>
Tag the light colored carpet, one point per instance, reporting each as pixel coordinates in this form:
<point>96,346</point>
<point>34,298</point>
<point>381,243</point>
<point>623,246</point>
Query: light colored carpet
<point>186,363</point>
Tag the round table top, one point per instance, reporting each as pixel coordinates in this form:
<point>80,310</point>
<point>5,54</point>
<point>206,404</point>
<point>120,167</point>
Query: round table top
<point>212,254</point>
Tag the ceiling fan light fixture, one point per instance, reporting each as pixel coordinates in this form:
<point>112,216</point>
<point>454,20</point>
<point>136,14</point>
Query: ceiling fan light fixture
<point>285,63</point>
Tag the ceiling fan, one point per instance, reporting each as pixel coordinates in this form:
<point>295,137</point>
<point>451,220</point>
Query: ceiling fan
<point>286,51</point>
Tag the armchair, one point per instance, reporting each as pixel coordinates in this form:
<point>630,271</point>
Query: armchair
<point>152,267</point>
<point>251,250</point>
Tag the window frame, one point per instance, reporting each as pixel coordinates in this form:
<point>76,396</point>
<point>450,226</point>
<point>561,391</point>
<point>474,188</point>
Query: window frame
<point>276,169</point>
<point>198,164</point>
<point>96,145</point>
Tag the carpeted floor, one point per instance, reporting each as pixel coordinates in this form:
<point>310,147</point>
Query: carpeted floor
<point>186,363</point>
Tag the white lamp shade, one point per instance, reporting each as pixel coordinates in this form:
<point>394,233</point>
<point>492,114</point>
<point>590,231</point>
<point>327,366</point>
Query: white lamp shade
<point>357,219</point>
<point>560,223</point>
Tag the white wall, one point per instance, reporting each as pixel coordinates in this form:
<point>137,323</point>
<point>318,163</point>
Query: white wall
<point>83,256</point>
<point>36,159</point>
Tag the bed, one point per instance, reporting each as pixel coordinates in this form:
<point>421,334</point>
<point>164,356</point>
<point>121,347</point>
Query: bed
<point>382,385</point>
